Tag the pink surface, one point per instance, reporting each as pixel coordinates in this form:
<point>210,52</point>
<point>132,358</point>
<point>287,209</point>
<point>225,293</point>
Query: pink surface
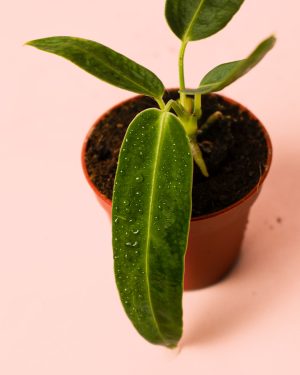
<point>59,309</point>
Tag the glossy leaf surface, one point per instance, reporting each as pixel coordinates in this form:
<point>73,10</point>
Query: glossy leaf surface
<point>151,216</point>
<point>224,74</point>
<point>197,19</point>
<point>104,63</point>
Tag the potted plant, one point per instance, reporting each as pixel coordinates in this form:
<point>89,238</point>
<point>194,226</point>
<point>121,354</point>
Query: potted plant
<point>186,151</point>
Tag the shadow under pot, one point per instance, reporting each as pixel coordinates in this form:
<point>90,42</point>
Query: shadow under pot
<point>219,221</point>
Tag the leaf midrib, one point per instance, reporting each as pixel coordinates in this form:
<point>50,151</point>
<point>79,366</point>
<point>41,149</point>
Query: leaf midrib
<point>234,71</point>
<point>210,84</point>
<point>110,67</point>
<point>193,19</point>
<point>126,77</point>
<point>150,216</point>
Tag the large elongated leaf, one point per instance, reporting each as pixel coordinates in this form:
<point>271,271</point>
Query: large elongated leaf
<point>104,63</point>
<point>151,215</point>
<point>224,74</point>
<point>198,19</point>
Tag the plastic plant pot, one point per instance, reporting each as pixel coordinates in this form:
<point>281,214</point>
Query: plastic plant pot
<point>215,240</point>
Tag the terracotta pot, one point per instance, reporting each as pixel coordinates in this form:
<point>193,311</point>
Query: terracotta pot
<point>215,239</point>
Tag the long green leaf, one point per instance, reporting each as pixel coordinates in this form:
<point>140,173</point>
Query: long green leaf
<point>224,74</point>
<point>151,215</point>
<point>104,63</point>
<point>198,19</point>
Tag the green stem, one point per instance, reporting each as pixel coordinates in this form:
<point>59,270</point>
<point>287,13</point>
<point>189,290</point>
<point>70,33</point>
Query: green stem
<point>197,106</point>
<point>161,103</point>
<point>179,110</point>
<point>191,128</point>
<point>181,71</point>
<point>198,157</point>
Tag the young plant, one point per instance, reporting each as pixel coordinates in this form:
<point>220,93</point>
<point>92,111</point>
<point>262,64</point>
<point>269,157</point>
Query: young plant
<point>153,184</point>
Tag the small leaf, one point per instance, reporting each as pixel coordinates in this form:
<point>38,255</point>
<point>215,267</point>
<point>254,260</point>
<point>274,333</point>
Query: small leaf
<point>151,215</point>
<point>197,19</point>
<point>224,74</point>
<point>104,63</point>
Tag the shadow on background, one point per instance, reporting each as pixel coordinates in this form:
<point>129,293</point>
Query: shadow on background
<point>266,271</point>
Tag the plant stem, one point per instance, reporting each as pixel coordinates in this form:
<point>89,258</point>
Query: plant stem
<point>190,125</point>
<point>197,155</point>
<point>197,106</point>
<point>179,110</point>
<point>191,128</point>
<point>161,103</point>
<point>181,71</point>
<point>190,120</point>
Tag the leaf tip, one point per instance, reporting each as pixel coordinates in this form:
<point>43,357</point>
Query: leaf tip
<point>271,40</point>
<point>32,43</point>
<point>274,38</point>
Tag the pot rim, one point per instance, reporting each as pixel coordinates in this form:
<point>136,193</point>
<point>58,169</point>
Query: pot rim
<point>251,193</point>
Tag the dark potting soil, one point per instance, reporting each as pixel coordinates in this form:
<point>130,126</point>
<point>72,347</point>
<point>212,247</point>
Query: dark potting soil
<point>234,149</point>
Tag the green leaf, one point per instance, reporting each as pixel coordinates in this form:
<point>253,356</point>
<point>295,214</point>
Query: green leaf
<point>224,74</point>
<point>197,19</point>
<point>104,63</point>
<point>151,216</point>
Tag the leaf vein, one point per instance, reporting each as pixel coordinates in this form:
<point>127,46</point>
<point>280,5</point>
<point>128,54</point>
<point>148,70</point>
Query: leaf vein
<point>110,67</point>
<point>193,20</point>
<point>150,216</point>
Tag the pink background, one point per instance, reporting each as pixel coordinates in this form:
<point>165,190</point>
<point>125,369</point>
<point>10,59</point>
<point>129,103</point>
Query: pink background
<point>59,310</point>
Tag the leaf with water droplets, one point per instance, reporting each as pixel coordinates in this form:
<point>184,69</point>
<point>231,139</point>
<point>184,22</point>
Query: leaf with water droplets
<point>152,238</point>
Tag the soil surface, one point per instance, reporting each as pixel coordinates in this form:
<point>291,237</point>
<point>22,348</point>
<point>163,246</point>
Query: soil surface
<point>234,149</point>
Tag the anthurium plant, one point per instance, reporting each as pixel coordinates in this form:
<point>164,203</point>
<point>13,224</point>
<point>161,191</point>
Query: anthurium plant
<point>153,183</point>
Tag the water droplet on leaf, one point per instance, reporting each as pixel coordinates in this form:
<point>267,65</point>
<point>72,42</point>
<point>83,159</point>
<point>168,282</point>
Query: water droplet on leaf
<point>139,178</point>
